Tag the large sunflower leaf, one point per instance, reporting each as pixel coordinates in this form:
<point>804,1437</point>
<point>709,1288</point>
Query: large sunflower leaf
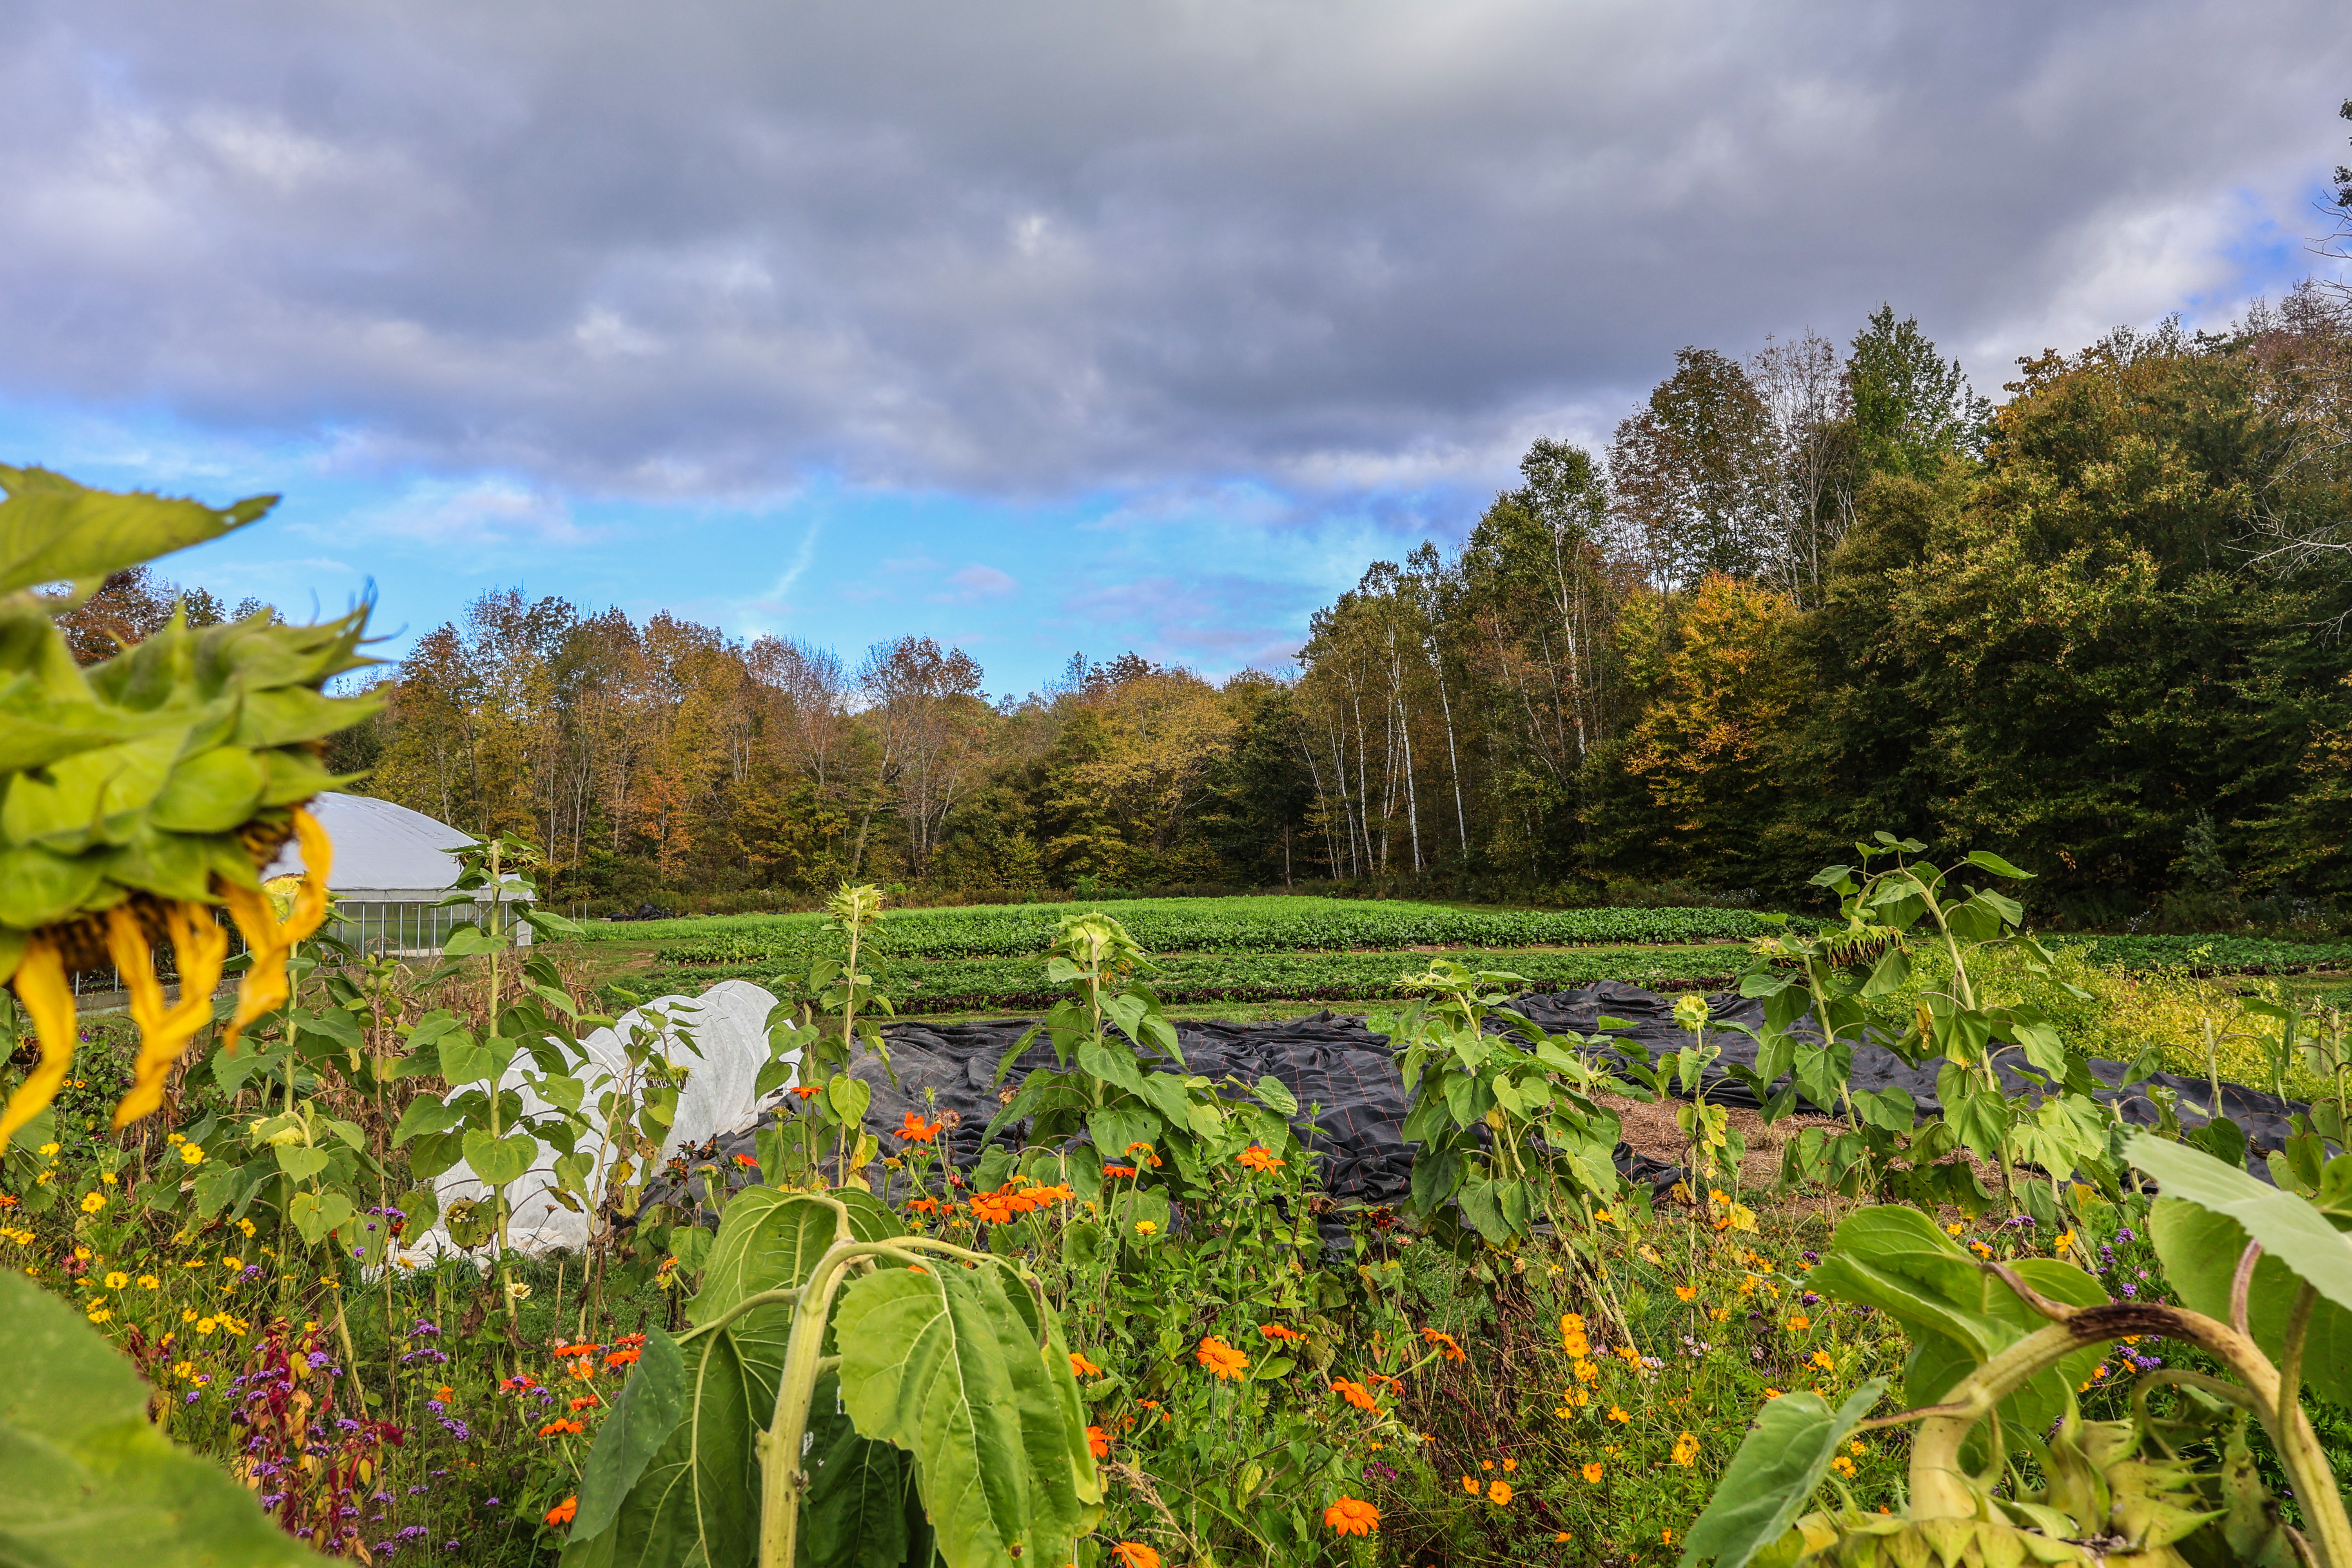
<point>2200,1249</point>
<point>771,1240</point>
<point>1779,1465</point>
<point>1895,1260</point>
<point>90,1481</point>
<point>925,1365</point>
<point>696,1501</point>
<point>55,531</point>
<point>2289,1228</point>
<point>855,1514</point>
<point>646,1412</point>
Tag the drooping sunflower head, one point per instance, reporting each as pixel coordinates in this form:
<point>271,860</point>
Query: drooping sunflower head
<point>141,796</point>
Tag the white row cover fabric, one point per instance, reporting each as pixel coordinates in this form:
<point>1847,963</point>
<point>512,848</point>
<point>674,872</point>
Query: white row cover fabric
<point>719,1037</point>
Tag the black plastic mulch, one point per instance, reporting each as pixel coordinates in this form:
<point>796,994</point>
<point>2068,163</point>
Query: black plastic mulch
<point>1352,1103</point>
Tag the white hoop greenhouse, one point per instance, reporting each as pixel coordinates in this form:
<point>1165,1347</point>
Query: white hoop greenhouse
<point>392,866</point>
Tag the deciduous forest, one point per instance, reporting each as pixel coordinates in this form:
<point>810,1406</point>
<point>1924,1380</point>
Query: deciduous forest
<point>1819,590</point>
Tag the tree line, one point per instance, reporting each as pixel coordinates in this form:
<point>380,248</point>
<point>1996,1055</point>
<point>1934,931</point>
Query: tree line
<point>1799,596</point>
<point>1822,593</point>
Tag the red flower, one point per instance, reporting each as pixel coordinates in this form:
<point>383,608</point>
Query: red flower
<point>805,1090</point>
<point>748,1162</point>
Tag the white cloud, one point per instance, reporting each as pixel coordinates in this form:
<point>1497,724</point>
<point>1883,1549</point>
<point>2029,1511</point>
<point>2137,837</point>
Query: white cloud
<point>979,582</point>
<point>478,517</point>
<point>1037,250</point>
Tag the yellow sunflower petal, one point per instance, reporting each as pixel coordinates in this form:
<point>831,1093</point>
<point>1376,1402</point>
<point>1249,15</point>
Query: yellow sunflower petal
<point>42,987</point>
<point>201,945</point>
<point>318,857</point>
<point>264,985</point>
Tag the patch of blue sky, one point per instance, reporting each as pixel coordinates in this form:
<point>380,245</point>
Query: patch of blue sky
<point>1218,575</point>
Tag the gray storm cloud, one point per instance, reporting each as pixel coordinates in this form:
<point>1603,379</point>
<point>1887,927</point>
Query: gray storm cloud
<point>1026,247</point>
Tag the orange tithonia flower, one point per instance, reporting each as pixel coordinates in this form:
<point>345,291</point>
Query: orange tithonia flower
<point>1355,1394</point>
<point>561,1513</point>
<point>1277,1332</point>
<point>1352,1516</point>
<point>1221,1358</point>
<point>915,1130</point>
<point>805,1090</point>
<point>1256,1159</point>
<point>1592,1472</point>
<point>1444,1342</point>
<point>1081,1367</point>
<point>1113,1172</point>
<point>1498,1493</point>
<point>1135,1554</point>
<point>1015,1198</point>
<point>1098,1442</point>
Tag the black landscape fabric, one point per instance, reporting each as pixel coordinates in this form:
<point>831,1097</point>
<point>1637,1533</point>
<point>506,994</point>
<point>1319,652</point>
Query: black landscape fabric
<point>2263,1118</point>
<point>1352,1103</point>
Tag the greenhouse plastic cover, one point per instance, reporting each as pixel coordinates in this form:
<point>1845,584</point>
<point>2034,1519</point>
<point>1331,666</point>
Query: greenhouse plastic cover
<point>381,850</point>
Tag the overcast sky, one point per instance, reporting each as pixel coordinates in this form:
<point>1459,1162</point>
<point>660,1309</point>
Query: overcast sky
<point>1045,327</point>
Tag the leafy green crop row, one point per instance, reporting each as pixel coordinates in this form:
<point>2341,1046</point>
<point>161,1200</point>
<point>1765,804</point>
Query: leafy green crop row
<point>2211,955</point>
<point>1203,925</point>
<point>964,985</point>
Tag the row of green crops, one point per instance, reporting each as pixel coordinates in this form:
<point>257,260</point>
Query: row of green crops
<point>2210,954</point>
<point>966,986</point>
<point>1199,925</point>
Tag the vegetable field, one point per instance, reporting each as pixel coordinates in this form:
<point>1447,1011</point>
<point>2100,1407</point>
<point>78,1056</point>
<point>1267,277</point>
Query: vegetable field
<point>1307,950</point>
<point>1195,925</point>
<point>981,985</point>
